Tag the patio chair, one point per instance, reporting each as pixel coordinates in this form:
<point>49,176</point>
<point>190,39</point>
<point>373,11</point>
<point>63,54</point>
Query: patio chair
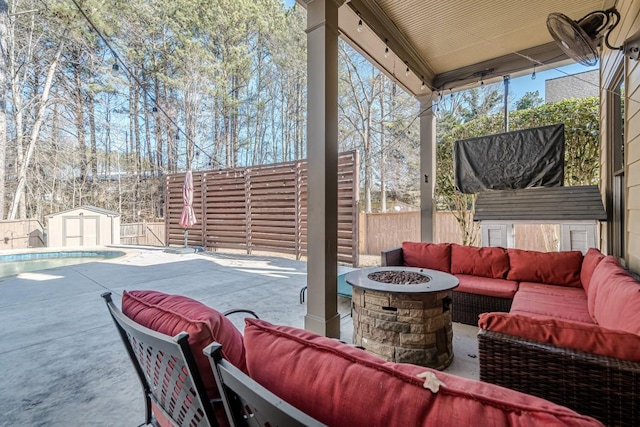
<point>167,371</point>
<point>246,402</point>
<point>172,382</point>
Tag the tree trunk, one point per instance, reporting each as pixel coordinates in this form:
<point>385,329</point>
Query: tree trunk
<point>4,89</point>
<point>94,148</point>
<point>158,126</point>
<point>383,149</point>
<point>79,116</point>
<point>42,105</point>
<point>147,138</point>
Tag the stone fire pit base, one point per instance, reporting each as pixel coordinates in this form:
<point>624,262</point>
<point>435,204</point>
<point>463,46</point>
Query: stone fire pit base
<point>407,328</point>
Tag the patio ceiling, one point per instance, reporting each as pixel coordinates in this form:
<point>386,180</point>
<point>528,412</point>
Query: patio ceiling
<point>453,44</point>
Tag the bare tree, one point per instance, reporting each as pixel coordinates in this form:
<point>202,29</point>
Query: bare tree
<point>25,49</point>
<point>4,59</point>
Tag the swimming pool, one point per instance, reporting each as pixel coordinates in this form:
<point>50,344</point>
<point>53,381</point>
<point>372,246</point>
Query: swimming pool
<point>13,264</point>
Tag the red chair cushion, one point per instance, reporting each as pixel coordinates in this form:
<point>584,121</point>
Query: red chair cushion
<point>616,297</point>
<point>591,260</point>
<point>436,256</point>
<point>589,338</point>
<point>485,286</point>
<point>484,262</point>
<point>553,268</point>
<point>537,299</point>
<point>172,314</point>
<point>341,385</point>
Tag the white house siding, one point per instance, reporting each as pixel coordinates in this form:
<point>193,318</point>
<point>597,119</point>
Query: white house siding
<point>630,23</point>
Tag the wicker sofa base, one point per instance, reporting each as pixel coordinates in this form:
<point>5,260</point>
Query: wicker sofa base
<point>467,307</point>
<point>605,388</point>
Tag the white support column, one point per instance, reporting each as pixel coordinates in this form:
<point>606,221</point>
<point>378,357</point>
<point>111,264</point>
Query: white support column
<point>427,169</point>
<point>322,149</point>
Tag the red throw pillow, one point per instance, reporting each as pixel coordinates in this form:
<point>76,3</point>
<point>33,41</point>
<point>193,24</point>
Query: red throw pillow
<point>436,256</point>
<point>616,298</point>
<point>172,314</point>
<point>552,268</point>
<point>591,260</point>
<point>341,385</point>
<point>485,262</point>
<point>586,337</point>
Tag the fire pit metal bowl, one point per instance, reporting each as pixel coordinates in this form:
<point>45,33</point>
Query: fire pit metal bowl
<point>438,281</point>
<point>405,322</point>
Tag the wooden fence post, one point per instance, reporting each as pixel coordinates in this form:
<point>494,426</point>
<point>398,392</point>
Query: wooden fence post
<point>298,232</point>
<point>167,219</point>
<point>204,213</point>
<point>247,195</point>
<point>355,237</point>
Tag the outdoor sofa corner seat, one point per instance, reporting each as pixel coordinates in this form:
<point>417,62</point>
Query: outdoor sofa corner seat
<point>341,385</point>
<point>556,325</point>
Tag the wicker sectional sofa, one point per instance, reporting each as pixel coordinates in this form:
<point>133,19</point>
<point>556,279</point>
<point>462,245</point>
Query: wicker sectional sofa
<point>567,330</point>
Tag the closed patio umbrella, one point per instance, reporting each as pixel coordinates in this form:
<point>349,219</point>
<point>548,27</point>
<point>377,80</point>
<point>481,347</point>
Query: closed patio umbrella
<point>188,217</point>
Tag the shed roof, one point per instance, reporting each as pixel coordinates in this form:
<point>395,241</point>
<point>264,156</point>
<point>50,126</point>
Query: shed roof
<point>88,208</point>
<point>541,204</point>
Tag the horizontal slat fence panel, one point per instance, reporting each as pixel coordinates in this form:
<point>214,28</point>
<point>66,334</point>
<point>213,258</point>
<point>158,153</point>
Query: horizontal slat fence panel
<point>262,208</point>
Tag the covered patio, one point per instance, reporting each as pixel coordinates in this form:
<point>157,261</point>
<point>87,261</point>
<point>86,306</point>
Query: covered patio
<point>433,48</point>
<point>64,362</point>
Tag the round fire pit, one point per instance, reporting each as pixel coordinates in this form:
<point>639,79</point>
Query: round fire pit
<point>403,314</point>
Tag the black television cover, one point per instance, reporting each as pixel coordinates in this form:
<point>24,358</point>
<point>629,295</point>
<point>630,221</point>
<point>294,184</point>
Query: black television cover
<point>511,160</point>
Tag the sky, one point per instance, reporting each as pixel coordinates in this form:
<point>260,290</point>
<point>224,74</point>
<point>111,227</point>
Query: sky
<point>520,85</point>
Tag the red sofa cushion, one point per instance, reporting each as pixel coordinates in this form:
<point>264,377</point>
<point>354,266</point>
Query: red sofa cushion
<point>485,262</point>
<point>554,268</point>
<point>172,314</point>
<point>589,338</point>
<point>341,385</point>
<point>616,297</point>
<point>436,256</point>
<point>537,299</point>
<point>591,260</point>
<point>499,288</point>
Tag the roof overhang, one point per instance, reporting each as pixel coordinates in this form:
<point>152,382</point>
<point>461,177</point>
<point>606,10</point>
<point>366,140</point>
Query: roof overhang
<point>578,203</point>
<point>458,43</point>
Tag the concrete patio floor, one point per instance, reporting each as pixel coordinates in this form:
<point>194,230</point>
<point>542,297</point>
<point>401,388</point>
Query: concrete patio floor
<point>63,363</point>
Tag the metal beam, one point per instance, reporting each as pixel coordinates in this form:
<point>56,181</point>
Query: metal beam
<point>543,56</point>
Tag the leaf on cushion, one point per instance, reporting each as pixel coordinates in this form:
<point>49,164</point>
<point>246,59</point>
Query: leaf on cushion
<point>431,382</point>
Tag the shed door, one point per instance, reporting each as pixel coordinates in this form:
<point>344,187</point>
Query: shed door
<point>80,230</point>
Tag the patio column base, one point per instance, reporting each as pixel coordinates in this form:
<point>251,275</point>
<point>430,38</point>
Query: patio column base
<point>326,327</point>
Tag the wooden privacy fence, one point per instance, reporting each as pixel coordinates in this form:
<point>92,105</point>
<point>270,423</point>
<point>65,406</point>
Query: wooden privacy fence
<point>21,234</point>
<point>143,233</point>
<point>261,208</point>
<point>380,231</point>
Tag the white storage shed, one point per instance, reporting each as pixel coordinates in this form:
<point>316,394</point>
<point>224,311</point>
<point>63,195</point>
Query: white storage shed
<point>577,209</point>
<point>83,226</point>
